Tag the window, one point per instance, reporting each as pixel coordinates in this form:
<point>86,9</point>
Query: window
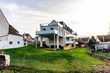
<point>52,28</point>
<point>67,38</point>
<point>10,42</point>
<point>44,29</point>
<point>18,42</point>
<point>24,43</point>
<point>72,39</point>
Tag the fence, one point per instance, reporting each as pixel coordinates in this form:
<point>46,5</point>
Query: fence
<point>101,55</point>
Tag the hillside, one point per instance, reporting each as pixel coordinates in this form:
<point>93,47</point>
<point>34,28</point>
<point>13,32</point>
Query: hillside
<point>43,59</point>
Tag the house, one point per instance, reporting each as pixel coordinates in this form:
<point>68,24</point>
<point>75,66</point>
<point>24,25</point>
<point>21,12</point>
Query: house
<point>28,39</point>
<point>104,38</point>
<point>55,35</point>
<point>104,43</point>
<point>83,41</point>
<point>70,41</point>
<point>9,36</point>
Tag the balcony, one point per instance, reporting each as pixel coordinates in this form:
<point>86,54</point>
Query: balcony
<point>49,32</point>
<point>46,32</point>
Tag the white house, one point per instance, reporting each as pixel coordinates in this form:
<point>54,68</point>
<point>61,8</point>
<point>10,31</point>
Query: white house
<point>55,35</point>
<point>9,36</point>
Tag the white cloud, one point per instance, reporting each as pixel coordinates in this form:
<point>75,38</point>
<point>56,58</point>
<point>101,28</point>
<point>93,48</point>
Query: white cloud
<point>25,19</point>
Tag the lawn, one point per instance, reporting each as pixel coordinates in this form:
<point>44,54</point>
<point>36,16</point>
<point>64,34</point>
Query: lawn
<point>103,55</point>
<point>60,60</point>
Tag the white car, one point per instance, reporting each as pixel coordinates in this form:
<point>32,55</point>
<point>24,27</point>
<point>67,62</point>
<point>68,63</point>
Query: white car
<point>4,60</point>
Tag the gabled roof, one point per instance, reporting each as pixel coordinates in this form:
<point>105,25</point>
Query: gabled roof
<point>83,39</point>
<point>27,37</point>
<point>11,30</point>
<point>53,22</point>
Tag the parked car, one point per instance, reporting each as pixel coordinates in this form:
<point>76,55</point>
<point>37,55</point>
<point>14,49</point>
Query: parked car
<point>4,60</point>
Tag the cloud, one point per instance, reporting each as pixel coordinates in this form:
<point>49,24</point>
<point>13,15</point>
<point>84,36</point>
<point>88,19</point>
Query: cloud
<point>84,16</point>
<point>25,19</point>
<point>52,6</point>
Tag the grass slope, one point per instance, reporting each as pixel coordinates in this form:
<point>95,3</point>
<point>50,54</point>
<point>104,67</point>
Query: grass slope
<point>43,59</point>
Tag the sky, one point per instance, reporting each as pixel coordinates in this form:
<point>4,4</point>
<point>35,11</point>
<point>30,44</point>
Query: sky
<point>86,17</point>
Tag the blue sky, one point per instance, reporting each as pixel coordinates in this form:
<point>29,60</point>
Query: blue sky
<point>87,17</point>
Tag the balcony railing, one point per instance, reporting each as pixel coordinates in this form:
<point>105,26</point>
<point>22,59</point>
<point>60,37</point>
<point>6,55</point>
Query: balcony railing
<point>49,32</point>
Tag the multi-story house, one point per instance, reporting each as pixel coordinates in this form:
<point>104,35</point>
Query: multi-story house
<point>55,35</point>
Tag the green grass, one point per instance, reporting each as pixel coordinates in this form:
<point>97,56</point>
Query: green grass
<point>43,59</point>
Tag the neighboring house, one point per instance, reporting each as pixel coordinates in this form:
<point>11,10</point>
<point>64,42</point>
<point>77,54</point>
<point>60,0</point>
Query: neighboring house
<point>104,38</point>
<point>83,41</point>
<point>104,43</point>
<point>28,38</point>
<point>9,36</point>
<point>70,41</point>
<point>53,35</point>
